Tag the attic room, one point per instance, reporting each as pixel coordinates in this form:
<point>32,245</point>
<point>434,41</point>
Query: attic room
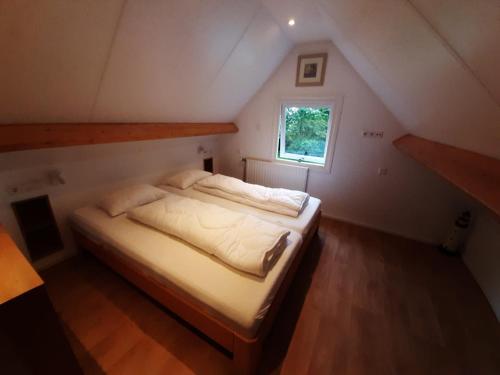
<point>250,187</point>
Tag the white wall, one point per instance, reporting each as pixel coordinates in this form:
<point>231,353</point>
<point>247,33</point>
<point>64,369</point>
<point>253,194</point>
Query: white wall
<point>409,201</point>
<point>89,172</point>
<point>482,256</point>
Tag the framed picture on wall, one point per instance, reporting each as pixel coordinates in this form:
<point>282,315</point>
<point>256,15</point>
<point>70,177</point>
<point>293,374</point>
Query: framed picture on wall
<point>311,69</point>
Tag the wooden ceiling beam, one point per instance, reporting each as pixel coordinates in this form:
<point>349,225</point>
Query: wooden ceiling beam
<point>16,137</point>
<point>477,175</point>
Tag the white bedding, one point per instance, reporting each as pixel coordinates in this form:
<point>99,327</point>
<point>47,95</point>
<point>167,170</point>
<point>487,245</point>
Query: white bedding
<point>300,224</point>
<point>237,298</point>
<point>240,240</point>
<point>282,201</point>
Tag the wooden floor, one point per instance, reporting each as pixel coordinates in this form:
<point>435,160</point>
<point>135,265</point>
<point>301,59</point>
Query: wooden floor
<point>363,302</point>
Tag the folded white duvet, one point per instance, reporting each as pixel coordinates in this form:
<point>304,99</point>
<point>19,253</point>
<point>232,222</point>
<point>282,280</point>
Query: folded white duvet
<point>283,201</point>
<point>242,241</point>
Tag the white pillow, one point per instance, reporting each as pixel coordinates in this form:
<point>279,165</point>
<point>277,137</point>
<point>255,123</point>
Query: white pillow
<point>119,201</point>
<point>185,179</point>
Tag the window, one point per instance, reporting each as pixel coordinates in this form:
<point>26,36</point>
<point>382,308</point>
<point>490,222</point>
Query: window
<point>305,131</point>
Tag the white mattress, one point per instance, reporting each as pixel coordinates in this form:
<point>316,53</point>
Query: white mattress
<point>239,299</point>
<point>300,224</point>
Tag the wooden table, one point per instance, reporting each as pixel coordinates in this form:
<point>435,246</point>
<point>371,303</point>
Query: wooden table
<point>32,340</point>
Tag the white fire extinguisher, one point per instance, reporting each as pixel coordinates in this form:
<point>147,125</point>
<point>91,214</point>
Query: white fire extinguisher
<point>458,234</point>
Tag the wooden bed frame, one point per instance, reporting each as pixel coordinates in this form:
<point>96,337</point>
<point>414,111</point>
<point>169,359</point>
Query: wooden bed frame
<point>246,351</point>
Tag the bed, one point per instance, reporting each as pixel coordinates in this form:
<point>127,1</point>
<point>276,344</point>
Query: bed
<point>233,308</point>
<point>301,224</point>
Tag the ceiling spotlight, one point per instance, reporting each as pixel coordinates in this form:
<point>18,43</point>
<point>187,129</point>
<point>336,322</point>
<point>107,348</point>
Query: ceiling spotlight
<point>291,22</point>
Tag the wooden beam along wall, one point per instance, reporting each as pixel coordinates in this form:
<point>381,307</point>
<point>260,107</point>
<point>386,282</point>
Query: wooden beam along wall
<point>16,137</point>
<point>477,175</point>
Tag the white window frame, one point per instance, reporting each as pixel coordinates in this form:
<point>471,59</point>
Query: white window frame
<point>335,105</point>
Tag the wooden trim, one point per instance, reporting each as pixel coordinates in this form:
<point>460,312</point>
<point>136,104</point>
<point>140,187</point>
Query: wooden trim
<point>477,175</point>
<point>323,70</point>
<point>246,351</point>
<point>16,137</point>
<point>17,276</point>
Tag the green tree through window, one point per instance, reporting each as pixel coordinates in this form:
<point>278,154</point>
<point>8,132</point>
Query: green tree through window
<point>306,130</point>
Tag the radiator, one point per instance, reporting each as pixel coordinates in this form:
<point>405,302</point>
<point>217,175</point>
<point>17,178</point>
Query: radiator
<point>276,175</point>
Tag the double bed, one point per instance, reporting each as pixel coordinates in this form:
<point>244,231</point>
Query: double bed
<point>234,308</point>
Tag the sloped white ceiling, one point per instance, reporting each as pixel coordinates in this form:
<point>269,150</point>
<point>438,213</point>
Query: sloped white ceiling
<point>308,23</point>
<point>189,60</point>
<point>472,28</point>
<point>433,63</point>
<point>134,60</point>
<point>51,56</point>
<point>415,70</point>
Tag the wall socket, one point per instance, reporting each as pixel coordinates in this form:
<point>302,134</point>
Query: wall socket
<point>372,134</point>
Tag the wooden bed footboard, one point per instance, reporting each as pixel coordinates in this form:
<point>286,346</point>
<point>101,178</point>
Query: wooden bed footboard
<point>246,351</point>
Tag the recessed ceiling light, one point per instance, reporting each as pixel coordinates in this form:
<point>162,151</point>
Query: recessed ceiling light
<point>291,22</point>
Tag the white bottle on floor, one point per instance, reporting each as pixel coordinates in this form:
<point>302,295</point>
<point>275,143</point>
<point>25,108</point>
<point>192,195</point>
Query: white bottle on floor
<point>458,234</point>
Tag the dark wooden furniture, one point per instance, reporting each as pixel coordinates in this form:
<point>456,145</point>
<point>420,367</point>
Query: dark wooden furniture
<point>31,338</point>
<point>15,137</point>
<point>38,226</point>
<point>478,175</point>
<point>246,351</point>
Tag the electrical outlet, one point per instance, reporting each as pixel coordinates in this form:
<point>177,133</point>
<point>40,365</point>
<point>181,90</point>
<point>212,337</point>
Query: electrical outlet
<point>372,134</point>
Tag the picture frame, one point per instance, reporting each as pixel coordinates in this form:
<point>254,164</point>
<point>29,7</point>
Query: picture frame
<point>311,70</point>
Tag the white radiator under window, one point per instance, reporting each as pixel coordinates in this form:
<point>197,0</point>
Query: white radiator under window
<point>276,175</point>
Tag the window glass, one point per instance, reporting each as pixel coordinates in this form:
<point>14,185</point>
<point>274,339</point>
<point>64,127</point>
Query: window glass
<point>304,133</point>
